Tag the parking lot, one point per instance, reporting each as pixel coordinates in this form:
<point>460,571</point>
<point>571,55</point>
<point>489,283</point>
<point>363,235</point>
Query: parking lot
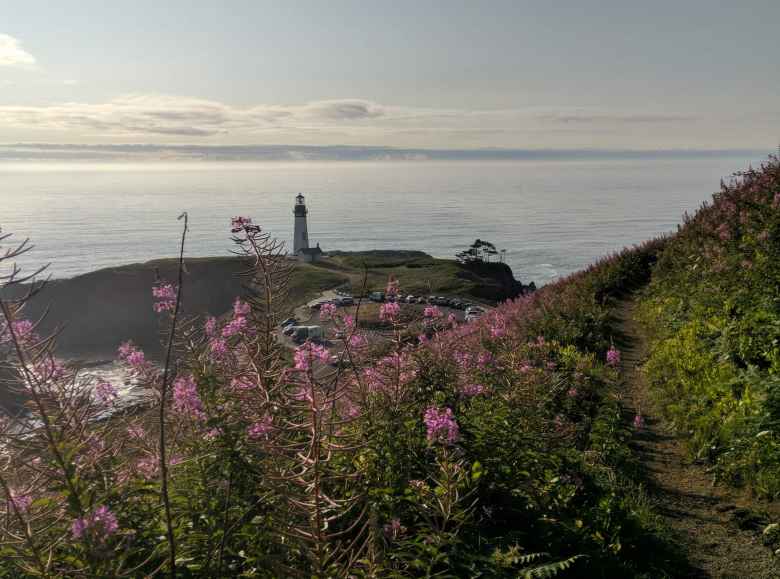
<point>367,313</point>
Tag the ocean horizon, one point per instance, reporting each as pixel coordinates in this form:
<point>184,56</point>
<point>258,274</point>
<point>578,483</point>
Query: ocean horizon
<point>553,216</point>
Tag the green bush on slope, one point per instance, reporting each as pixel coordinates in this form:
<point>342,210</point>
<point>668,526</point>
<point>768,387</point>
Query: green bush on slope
<point>712,311</point>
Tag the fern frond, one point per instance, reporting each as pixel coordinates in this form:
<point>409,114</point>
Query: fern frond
<point>545,570</point>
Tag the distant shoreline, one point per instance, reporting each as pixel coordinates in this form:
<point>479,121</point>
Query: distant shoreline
<point>146,153</point>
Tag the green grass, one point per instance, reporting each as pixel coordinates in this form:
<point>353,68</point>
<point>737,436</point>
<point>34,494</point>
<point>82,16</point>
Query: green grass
<point>417,273</point>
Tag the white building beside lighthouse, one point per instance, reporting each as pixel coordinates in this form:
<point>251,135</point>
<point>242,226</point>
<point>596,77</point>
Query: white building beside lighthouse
<point>301,234</point>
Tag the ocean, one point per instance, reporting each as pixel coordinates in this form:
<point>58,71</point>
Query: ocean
<point>552,217</point>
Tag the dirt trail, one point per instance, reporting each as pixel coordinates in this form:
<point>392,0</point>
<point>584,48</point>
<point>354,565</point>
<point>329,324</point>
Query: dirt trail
<point>718,530</point>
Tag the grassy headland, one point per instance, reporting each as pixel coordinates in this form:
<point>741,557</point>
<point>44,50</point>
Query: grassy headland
<point>417,273</point>
<point>100,309</point>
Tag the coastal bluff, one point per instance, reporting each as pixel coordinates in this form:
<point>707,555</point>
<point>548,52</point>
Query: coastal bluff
<point>97,311</point>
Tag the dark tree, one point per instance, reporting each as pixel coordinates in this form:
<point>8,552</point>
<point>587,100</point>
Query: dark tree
<point>478,252</point>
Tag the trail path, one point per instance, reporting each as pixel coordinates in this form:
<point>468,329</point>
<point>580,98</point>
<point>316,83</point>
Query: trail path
<point>718,530</point>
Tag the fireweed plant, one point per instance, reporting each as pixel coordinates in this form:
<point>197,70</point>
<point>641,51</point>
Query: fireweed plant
<point>493,449</point>
<point>713,314</point>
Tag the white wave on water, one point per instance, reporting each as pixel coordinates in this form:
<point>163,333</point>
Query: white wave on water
<point>130,391</point>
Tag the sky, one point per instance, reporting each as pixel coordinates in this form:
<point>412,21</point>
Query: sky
<point>612,74</point>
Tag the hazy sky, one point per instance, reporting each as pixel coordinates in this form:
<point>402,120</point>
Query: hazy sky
<point>450,74</point>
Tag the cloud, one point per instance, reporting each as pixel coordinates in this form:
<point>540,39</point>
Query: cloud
<point>348,109</point>
<point>614,118</point>
<point>12,53</point>
<point>159,118</point>
<point>140,114</point>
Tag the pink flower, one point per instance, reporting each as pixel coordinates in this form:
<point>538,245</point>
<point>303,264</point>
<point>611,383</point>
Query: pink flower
<point>484,359</point>
<point>498,327</point>
<point>639,422</point>
<point>432,312</point>
<point>99,525</point>
<point>165,294</point>
<point>441,425</point>
<point>472,390</point>
<point>613,356</point>
<point>241,309</point>
<point>210,326</point>
<point>327,311</point>
<point>357,341</point>
<point>133,356</point>
<point>262,428</point>
<point>235,326</point>
<point>349,323</point>
<point>239,223</point>
<point>452,320</point>
<point>185,398</point>
<point>21,502</point>
<point>105,393</point>
<point>392,287</point>
<point>218,348</point>
<point>388,312</point>
<point>572,392</point>
<point>307,353</point>
<point>212,433</point>
<point>23,329</point>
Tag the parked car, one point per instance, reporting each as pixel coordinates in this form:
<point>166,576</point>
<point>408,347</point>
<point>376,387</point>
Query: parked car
<point>289,330</point>
<point>288,322</point>
<point>345,301</point>
<point>303,333</point>
<point>376,296</point>
<point>410,299</point>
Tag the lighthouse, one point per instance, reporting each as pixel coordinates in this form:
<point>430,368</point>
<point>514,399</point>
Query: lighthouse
<point>301,238</point>
<point>301,247</point>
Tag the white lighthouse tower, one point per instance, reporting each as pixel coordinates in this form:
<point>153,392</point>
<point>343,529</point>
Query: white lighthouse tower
<point>301,238</point>
<point>301,247</point>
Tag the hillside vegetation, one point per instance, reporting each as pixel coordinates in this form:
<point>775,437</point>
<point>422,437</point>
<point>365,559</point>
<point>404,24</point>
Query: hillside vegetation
<point>713,315</point>
<point>494,449</point>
